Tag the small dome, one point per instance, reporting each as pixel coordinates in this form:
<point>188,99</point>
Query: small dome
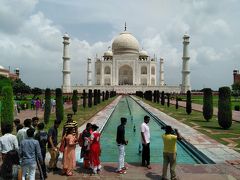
<point>108,53</point>
<point>1,67</point>
<point>66,35</point>
<point>143,53</point>
<point>125,43</point>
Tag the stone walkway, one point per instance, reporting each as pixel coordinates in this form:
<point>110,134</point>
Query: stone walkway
<point>226,167</point>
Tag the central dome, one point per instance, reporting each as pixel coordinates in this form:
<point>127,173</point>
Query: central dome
<point>125,43</point>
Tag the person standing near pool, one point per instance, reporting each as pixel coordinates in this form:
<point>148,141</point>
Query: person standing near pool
<point>169,151</point>
<point>121,142</point>
<point>145,134</point>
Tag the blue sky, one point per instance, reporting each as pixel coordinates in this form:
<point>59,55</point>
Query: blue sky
<point>31,36</point>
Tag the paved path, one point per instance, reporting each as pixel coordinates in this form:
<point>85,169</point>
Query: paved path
<point>219,171</point>
<point>198,107</point>
<point>28,113</point>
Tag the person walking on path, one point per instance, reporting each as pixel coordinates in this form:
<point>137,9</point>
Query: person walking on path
<point>42,137</point>
<point>22,133</point>
<point>169,151</point>
<point>69,158</point>
<point>121,142</point>
<point>145,135</point>
<point>52,146</point>
<point>85,137</point>
<point>30,152</point>
<point>70,124</point>
<point>8,141</point>
<point>95,150</point>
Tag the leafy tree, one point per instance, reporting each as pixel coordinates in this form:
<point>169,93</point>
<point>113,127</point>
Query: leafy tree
<point>162,98</point>
<point>224,108</point>
<point>7,106</point>
<point>89,98</point>
<point>36,91</point>
<point>47,105</point>
<point>75,101</point>
<point>19,87</point>
<point>189,103</point>
<point>4,81</point>
<point>84,98</point>
<point>59,104</point>
<point>236,90</point>
<point>207,104</point>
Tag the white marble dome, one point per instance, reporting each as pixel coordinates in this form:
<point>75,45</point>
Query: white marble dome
<point>143,53</point>
<point>108,53</point>
<point>125,43</point>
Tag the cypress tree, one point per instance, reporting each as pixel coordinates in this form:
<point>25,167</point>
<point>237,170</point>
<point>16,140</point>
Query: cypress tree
<point>162,98</point>
<point>89,98</point>
<point>168,99</point>
<point>189,103</point>
<point>157,96</point>
<point>75,101</point>
<point>7,106</point>
<point>59,104</point>
<point>98,96</point>
<point>107,95</point>
<point>103,96</point>
<point>84,98</point>
<point>207,104</point>
<point>47,105</point>
<point>224,108</point>
<point>95,97</point>
<point>176,102</point>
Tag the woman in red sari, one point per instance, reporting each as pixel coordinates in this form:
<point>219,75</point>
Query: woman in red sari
<point>69,158</point>
<point>95,150</point>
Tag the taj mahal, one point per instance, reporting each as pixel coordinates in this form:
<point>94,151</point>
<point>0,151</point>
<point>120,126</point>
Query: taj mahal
<point>125,68</point>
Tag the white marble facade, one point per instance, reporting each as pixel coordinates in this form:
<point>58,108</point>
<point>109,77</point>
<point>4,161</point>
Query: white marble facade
<point>125,64</point>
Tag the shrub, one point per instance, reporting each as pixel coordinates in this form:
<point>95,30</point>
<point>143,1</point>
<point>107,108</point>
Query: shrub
<point>207,104</point>
<point>75,101</point>
<point>47,106</point>
<point>189,103</point>
<point>59,104</point>
<point>224,108</point>
<point>237,108</point>
<point>7,106</point>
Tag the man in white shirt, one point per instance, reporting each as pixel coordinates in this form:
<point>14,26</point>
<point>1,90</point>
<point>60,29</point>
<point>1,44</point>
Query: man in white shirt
<point>22,133</point>
<point>145,134</point>
<point>8,141</point>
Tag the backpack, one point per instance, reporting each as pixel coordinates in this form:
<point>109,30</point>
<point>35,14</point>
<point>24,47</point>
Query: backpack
<point>80,140</point>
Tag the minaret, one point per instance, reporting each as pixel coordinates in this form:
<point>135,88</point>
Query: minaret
<point>89,73</point>
<point>66,86</point>
<point>161,80</point>
<point>185,66</point>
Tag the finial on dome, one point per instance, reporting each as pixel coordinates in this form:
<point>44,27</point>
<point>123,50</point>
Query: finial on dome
<point>125,29</point>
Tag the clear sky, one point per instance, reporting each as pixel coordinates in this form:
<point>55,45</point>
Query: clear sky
<point>31,36</point>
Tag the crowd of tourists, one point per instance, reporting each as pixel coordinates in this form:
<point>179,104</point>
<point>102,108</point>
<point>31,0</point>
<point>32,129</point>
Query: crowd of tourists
<point>24,153</point>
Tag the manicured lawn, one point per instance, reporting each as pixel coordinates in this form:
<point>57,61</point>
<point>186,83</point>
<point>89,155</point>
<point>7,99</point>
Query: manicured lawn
<point>82,115</point>
<point>196,120</point>
<point>198,99</point>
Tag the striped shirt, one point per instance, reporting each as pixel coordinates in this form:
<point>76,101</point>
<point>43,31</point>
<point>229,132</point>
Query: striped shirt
<point>72,124</point>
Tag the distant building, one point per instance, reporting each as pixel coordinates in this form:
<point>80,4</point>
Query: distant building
<point>8,74</point>
<point>236,76</point>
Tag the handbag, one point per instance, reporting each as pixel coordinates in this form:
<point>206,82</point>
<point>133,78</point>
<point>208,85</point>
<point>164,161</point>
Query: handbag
<point>62,145</point>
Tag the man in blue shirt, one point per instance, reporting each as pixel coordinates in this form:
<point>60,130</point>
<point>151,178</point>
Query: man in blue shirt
<point>29,152</point>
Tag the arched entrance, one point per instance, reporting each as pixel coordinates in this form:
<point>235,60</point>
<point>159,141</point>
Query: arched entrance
<point>125,76</point>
